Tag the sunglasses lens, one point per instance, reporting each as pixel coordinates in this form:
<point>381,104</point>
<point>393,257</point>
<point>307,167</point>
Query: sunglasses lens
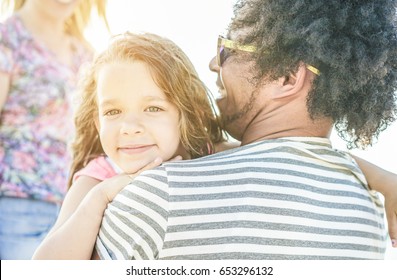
<point>222,55</point>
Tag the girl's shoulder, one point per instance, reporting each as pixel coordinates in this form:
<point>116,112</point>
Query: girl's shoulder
<point>98,168</point>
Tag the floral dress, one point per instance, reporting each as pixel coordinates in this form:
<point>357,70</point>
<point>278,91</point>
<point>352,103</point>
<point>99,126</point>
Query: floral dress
<point>36,120</point>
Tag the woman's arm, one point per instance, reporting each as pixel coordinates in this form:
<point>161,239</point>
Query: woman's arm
<point>384,182</point>
<point>4,88</point>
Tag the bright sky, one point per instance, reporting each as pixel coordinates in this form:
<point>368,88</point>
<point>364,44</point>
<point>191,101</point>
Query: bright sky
<point>193,25</point>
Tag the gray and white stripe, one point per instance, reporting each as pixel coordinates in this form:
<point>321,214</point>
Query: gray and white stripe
<point>291,198</point>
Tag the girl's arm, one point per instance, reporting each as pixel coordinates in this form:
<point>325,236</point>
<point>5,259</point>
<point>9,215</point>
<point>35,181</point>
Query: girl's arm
<point>384,182</point>
<point>73,235</point>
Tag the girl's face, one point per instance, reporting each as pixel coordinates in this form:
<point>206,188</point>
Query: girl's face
<point>136,122</point>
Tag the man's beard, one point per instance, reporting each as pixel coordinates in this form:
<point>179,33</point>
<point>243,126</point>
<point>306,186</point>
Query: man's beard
<point>227,121</point>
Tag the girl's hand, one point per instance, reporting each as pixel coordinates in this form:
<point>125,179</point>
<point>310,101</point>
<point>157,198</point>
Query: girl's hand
<point>387,185</point>
<point>223,146</point>
<point>112,186</point>
<point>391,213</point>
<point>152,165</point>
<point>385,182</point>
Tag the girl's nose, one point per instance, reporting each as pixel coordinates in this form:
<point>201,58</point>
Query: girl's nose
<point>132,124</point>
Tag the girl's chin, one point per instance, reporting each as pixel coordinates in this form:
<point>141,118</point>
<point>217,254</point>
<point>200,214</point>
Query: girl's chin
<point>133,170</point>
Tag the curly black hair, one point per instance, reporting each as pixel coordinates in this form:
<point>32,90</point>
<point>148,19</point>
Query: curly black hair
<point>352,42</point>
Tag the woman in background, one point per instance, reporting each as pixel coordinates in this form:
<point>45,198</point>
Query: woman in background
<point>42,47</point>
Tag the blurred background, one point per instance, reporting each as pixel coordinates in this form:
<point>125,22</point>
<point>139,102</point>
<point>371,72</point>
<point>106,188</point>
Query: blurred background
<point>195,26</point>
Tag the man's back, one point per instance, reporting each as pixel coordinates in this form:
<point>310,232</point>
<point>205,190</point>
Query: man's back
<point>290,198</point>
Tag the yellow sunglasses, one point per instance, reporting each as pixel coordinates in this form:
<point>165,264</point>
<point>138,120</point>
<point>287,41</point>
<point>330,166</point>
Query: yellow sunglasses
<point>225,44</point>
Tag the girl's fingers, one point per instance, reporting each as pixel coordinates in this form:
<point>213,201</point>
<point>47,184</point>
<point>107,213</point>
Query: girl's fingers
<point>392,226</point>
<point>150,165</point>
<point>153,164</point>
<point>177,158</point>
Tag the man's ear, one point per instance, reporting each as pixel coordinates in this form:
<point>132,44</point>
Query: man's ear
<point>292,84</point>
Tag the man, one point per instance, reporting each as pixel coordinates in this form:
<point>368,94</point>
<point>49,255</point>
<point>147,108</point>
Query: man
<point>288,71</point>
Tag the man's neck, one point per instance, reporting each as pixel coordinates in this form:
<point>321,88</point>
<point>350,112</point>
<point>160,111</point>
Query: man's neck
<point>287,120</point>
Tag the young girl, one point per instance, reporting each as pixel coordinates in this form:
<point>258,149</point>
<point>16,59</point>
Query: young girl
<point>142,104</point>
<point>41,49</point>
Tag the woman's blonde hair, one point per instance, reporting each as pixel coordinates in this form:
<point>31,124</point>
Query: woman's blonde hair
<point>173,73</point>
<point>80,18</point>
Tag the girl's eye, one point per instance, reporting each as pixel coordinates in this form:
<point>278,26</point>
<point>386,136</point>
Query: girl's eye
<point>112,112</point>
<point>153,109</point>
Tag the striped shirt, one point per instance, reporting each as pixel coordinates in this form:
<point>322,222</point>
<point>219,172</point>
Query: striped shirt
<point>289,198</point>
